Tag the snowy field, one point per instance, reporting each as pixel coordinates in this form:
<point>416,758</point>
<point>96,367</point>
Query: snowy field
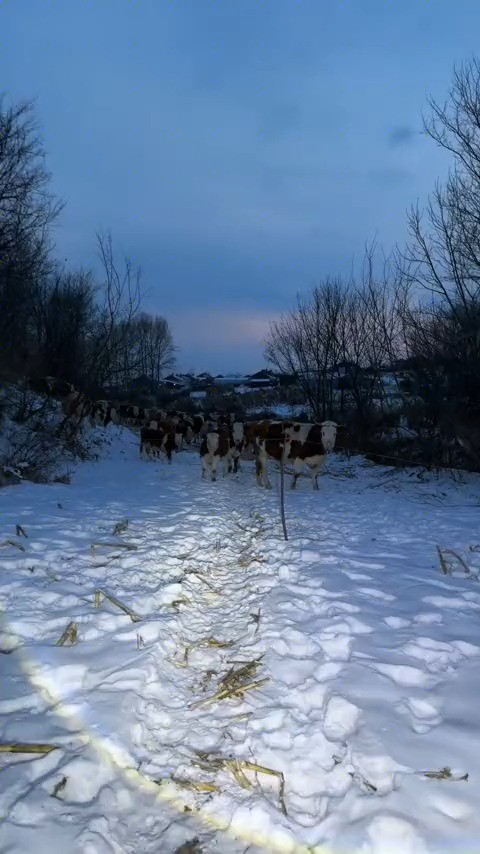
<point>361,665</point>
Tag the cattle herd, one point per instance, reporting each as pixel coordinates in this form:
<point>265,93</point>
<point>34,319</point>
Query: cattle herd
<point>220,437</point>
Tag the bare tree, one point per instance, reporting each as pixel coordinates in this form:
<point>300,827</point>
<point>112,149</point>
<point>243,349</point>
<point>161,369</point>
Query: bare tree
<point>153,349</point>
<point>118,300</point>
<point>441,265</point>
<point>65,314</point>
<point>305,343</point>
<point>342,334</point>
<point>27,211</point>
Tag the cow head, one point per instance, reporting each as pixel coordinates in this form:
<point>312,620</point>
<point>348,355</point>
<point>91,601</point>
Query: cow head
<point>329,435</point>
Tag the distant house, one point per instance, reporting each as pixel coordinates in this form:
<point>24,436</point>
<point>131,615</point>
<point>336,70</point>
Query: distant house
<point>203,380</point>
<point>178,381</point>
<point>262,379</point>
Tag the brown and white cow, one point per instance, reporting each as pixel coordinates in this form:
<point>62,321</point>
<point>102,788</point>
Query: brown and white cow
<point>237,443</point>
<point>154,442</point>
<point>216,446</point>
<point>105,412</point>
<point>301,444</point>
<point>309,446</point>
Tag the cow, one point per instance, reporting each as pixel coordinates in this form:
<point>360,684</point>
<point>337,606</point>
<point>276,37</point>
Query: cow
<point>216,446</point>
<point>267,439</point>
<point>309,445</point>
<point>131,415</point>
<point>153,442</point>
<point>181,428</point>
<point>302,444</point>
<point>237,443</point>
<point>154,416</point>
<point>199,426</point>
<point>104,412</point>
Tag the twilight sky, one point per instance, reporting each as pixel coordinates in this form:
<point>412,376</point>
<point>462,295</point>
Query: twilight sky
<point>239,150</point>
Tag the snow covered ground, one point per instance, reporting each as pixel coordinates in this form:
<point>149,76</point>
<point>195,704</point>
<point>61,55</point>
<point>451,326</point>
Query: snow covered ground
<point>371,658</point>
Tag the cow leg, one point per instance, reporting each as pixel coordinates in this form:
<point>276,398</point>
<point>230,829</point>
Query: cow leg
<point>214,466</point>
<point>315,464</point>
<point>262,471</point>
<point>204,467</point>
<point>266,479</point>
<point>297,468</point>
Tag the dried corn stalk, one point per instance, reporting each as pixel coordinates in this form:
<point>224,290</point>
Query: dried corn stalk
<point>70,634</point>
<point>21,747</point>
<point>100,594</point>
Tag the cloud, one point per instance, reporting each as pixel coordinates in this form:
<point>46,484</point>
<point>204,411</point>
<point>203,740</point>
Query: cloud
<point>227,339</point>
<point>391,176</point>
<point>401,135</point>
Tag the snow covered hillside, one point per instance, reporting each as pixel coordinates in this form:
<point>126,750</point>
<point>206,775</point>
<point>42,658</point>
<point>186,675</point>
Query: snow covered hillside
<point>345,660</point>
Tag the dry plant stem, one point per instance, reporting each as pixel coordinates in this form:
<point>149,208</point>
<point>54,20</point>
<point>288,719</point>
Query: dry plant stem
<point>120,527</point>
<point>460,559</point>
<point>129,546</point>
<point>113,599</point>
<point>194,785</point>
<point>443,562</point>
<point>229,693</point>
<point>14,544</point>
<point>21,747</point>
<point>70,634</point>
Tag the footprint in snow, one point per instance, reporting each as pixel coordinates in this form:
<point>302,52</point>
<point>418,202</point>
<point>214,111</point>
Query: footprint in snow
<point>356,576</point>
<point>439,656</point>
<point>341,718</point>
<point>396,622</point>
<point>405,675</point>
<point>424,714</point>
<point>456,602</point>
<point>428,617</point>
<point>374,593</point>
<point>450,807</point>
<point>389,833</point>
<point>337,647</point>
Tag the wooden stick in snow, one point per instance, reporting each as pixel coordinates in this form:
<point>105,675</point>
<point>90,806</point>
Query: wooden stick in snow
<point>282,496</point>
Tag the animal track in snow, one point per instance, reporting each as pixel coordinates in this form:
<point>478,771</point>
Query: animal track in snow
<point>341,718</point>
<point>428,617</point>
<point>424,714</point>
<point>397,622</point>
<point>337,647</point>
<point>404,674</point>
<point>374,593</point>
<point>450,602</point>
<point>389,834</point>
<point>356,576</point>
<point>438,655</point>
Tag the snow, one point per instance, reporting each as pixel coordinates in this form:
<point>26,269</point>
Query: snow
<point>372,658</point>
